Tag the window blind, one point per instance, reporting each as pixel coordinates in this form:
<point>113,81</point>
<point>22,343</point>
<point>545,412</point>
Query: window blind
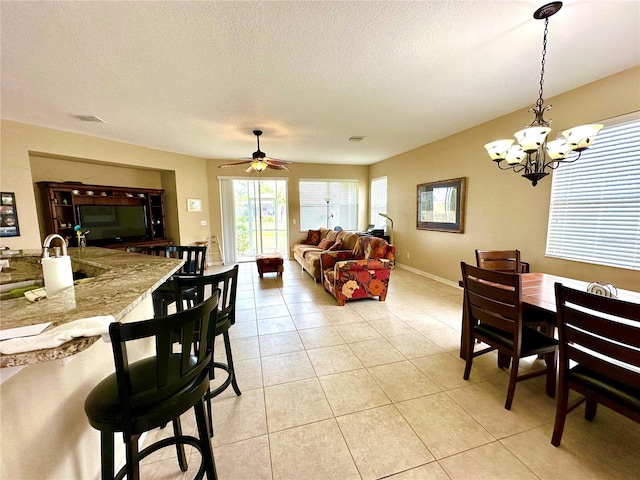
<point>378,201</point>
<point>328,203</point>
<point>594,215</point>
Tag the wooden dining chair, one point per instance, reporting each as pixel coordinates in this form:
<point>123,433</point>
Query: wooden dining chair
<point>599,355</point>
<point>501,261</point>
<point>493,312</point>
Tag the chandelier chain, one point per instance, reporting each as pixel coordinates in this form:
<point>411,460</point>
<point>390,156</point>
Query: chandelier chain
<point>540,101</point>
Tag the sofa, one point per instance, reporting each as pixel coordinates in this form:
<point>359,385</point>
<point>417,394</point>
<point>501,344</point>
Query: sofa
<point>360,273</point>
<point>307,252</point>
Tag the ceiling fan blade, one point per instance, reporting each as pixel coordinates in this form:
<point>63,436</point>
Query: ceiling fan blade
<point>278,167</point>
<point>275,161</point>
<point>235,164</point>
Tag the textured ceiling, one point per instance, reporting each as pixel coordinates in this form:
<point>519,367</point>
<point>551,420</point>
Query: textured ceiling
<point>198,77</point>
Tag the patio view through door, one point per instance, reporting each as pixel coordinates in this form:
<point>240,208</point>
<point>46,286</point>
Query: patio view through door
<point>259,222</point>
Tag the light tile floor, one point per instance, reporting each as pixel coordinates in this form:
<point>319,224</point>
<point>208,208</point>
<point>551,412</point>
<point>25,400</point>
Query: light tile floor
<point>374,390</point>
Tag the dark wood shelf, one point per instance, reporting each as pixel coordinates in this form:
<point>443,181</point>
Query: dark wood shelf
<point>60,199</point>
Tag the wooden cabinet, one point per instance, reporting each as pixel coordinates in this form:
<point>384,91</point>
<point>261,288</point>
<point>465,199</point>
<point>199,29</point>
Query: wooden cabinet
<point>61,202</point>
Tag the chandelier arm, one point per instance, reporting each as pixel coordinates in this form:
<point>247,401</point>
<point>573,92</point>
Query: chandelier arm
<point>550,164</point>
<point>513,167</point>
<point>508,167</point>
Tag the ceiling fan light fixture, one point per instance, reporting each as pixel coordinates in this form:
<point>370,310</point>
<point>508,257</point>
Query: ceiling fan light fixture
<point>259,165</point>
<point>259,161</point>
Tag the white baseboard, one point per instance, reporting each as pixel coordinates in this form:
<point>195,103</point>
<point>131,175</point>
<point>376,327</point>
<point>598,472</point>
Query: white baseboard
<point>428,275</point>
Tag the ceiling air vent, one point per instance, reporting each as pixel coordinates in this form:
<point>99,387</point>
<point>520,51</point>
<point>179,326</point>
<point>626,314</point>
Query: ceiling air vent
<point>356,138</point>
<point>89,118</point>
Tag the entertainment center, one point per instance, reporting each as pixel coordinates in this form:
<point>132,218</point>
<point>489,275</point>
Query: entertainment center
<point>116,217</point>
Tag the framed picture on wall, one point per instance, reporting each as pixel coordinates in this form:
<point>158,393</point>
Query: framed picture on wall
<point>194,205</point>
<point>8,215</point>
<point>441,205</point>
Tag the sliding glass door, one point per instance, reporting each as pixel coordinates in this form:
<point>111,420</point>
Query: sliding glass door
<point>254,218</point>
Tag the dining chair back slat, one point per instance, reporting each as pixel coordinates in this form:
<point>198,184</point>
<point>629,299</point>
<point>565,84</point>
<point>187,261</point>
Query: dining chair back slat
<point>501,261</point>
<point>599,355</point>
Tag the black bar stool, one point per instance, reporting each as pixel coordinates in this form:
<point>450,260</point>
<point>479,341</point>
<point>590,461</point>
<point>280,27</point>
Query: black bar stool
<point>152,392</point>
<point>227,283</point>
<point>194,263</point>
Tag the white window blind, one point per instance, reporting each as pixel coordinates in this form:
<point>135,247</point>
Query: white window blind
<point>594,214</point>
<point>328,203</point>
<point>378,201</point>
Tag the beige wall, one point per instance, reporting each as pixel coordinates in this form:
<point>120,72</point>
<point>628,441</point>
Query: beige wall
<point>503,209</point>
<point>23,145</point>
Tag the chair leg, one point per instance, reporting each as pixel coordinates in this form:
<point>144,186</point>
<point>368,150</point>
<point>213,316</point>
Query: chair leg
<point>205,443</point>
<point>469,361</point>
<point>182,458</point>
<point>513,379</point>
<point>133,462</point>
<point>209,414</point>
<point>106,454</point>
<point>504,360</point>
<point>590,409</point>
<point>232,372</point>
<point>561,414</point>
<point>550,359</point>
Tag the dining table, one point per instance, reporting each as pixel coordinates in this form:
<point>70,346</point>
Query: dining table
<point>539,300</point>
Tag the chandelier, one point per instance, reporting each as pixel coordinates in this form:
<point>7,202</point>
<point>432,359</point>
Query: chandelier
<point>533,155</point>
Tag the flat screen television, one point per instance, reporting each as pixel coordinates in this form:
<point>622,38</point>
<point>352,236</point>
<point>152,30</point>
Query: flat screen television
<point>113,223</point>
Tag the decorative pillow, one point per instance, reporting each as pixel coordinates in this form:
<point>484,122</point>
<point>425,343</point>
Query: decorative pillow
<point>313,237</point>
<point>336,246</point>
<point>375,248</point>
<point>332,235</point>
<point>369,247</point>
<point>358,250</point>
<point>326,243</point>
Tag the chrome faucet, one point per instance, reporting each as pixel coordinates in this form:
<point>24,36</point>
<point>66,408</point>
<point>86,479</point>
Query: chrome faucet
<point>47,244</point>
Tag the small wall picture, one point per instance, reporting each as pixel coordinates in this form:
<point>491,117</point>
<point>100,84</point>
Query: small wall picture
<point>8,215</point>
<point>194,205</point>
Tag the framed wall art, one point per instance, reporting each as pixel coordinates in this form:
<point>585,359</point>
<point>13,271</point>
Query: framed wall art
<point>8,215</point>
<point>194,205</point>
<point>441,205</point>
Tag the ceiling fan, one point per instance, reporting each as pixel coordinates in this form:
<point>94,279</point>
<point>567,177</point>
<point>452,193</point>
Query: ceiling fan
<point>259,161</point>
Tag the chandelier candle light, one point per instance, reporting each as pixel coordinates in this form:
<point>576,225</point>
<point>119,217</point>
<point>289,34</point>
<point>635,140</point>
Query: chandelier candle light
<point>533,154</point>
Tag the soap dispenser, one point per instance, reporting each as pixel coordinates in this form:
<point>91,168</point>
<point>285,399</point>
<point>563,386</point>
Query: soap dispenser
<point>56,270</point>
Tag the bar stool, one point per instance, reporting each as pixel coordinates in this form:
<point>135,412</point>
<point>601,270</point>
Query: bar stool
<point>194,263</point>
<point>152,392</point>
<point>227,283</point>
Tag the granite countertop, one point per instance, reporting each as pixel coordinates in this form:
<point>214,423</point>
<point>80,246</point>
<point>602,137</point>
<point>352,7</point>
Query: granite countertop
<point>118,282</point>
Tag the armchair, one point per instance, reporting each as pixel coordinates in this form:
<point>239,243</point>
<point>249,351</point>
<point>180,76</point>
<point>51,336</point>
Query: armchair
<point>359,273</point>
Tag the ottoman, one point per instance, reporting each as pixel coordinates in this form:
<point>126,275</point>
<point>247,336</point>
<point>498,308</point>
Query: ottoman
<point>270,262</point>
